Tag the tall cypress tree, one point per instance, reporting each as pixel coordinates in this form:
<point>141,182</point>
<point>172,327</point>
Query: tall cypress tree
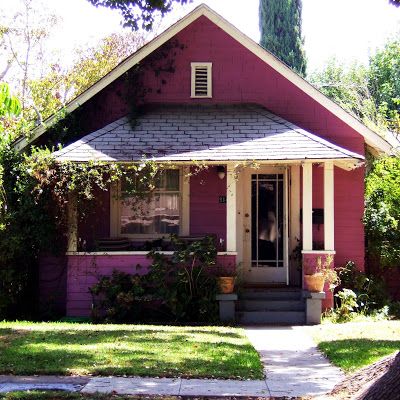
<point>280,26</point>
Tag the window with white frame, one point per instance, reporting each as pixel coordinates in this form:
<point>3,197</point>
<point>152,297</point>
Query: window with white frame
<point>201,77</point>
<point>156,214</point>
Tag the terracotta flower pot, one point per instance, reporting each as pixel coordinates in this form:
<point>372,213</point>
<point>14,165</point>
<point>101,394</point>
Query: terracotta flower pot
<point>314,282</point>
<point>226,284</point>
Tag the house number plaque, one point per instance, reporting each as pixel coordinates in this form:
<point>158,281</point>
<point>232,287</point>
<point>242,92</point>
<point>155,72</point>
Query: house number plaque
<point>222,199</point>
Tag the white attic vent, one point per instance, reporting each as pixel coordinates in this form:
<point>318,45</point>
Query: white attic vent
<point>201,80</point>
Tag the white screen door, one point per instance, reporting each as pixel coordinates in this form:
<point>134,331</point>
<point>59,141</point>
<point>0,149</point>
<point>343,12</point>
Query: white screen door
<point>266,227</point>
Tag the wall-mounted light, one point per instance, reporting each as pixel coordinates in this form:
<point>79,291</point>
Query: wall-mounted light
<point>221,171</point>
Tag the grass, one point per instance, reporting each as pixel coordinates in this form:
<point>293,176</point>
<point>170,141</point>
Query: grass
<point>353,345</point>
<point>140,350</point>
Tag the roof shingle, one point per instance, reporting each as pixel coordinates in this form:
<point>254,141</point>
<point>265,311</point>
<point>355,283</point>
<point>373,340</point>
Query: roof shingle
<point>203,133</point>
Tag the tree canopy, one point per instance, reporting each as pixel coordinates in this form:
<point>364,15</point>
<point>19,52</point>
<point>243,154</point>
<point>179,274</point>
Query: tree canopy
<point>9,104</point>
<point>384,82</point>
<point>138,13</point>
<point>280,26</point>
<point>382,210</point>
<point>371,92</point>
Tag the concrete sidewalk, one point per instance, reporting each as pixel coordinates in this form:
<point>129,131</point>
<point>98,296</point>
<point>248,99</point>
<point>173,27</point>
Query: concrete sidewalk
<point>292,364</point>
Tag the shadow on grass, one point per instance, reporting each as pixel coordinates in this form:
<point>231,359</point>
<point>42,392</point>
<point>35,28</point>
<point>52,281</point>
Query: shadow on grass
<point>352,354</point>
<point>146,352</point>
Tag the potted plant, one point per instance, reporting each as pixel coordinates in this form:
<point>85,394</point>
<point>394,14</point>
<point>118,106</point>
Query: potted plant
<point>316,274</point>
<point>226,276</point>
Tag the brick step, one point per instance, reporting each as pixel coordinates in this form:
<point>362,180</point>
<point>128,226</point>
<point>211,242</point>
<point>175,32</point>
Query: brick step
<point>271,317</point>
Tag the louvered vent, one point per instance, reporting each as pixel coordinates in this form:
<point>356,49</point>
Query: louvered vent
<point>201,79</point>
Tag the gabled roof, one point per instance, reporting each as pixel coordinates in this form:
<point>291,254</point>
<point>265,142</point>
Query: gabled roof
<point>371,137</point>
<point>205,133</point>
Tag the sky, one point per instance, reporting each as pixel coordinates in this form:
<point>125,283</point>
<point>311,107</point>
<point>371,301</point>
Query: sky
<point>349,30</point>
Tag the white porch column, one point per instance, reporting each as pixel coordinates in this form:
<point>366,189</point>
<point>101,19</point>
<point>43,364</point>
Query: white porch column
<point>307,207</point>
<point>72,220</point>
<point>230,209</point>
<point>185,227</point>
<point>329,212</point>
<point>294,212</point>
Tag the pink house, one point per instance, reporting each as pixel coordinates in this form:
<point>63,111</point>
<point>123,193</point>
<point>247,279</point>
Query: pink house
<point>285,165</point>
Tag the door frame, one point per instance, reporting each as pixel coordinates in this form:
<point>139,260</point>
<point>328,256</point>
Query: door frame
<point>251,275</point>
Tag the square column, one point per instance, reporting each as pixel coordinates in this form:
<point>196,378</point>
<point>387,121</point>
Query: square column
<point>231,207</point>
<point>72,220</point>
<point>329,209</point>
<point>307,207</point>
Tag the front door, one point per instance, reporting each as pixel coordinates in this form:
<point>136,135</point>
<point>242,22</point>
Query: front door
<point>266,227</point>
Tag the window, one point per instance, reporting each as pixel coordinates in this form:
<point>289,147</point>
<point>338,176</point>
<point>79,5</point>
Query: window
<point>201,80</point>
<point>160,213</point>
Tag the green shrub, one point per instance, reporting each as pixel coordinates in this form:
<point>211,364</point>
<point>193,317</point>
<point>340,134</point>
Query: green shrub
<point>347,306</point>
<point>394,309</point>
<point>382,211</point>
<point>370,290</point>
<point>119,298</point>
<point>178,288</point>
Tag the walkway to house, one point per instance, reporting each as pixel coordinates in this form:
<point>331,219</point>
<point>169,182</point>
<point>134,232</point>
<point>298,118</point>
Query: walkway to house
<point>293,367</point>
<point>292,363</point>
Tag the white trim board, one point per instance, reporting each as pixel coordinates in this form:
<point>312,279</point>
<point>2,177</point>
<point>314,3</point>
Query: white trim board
<point>372,138</point>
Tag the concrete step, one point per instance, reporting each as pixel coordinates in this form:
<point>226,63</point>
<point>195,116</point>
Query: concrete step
<point>271,294</point>
<point>271,317</point>
<point>270,305</point>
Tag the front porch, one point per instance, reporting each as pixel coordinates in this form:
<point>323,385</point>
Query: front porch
<point>257,214</point>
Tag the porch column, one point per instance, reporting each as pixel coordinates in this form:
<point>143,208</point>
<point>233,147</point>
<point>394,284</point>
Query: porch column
<point>307,207</point>
<point>72,220</point>
<point>329,212</point>
<point>230,208</point>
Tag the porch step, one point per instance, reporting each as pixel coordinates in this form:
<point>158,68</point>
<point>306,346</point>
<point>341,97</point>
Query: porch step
<point>271,317</point>
<point>270,305</point>
<point>271,294</point>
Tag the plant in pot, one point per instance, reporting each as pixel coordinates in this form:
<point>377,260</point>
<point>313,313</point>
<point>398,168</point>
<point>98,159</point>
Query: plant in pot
<point>318,272</point>
<point>226,276</point>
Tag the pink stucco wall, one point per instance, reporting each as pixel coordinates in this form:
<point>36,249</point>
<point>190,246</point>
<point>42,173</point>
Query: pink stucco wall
<point>85,270</point>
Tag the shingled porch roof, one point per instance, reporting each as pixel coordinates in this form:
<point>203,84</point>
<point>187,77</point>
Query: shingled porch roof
<point>204,133</point>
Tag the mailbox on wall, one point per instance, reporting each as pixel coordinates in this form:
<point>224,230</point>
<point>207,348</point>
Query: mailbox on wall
<point>317,216</point>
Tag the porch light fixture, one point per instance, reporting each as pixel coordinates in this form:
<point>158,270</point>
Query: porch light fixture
<point>221,172</point>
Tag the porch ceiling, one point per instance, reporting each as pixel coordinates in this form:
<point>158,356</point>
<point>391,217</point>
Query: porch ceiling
<point>204,133</point>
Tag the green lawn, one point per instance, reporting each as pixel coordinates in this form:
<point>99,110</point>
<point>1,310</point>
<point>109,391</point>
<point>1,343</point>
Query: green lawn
<point>354,345</point>
<point>144,350</point>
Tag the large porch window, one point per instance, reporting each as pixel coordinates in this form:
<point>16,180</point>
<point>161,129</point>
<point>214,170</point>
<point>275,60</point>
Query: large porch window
<point>158,213</point>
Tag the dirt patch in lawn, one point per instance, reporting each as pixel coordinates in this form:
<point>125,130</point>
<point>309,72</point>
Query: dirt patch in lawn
<point>378,381</point>
<point>7,336</point>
